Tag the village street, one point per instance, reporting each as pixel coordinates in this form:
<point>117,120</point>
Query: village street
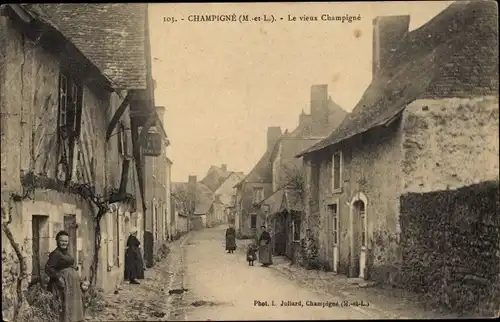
<point>221,286</point>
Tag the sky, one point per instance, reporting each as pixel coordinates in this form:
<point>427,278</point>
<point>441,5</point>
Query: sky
<point>224,83</point>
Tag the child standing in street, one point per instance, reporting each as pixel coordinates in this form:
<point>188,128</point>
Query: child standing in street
<point>251,254</point>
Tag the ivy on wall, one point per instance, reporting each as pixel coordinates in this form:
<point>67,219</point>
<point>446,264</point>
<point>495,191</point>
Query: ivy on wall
<point>451,246</point>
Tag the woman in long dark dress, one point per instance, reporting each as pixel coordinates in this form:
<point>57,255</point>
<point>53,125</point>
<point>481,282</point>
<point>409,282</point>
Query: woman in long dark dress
<point>134,265</point>
<point>230,239</point>
<point>265,252</point>
<point>64,281</point>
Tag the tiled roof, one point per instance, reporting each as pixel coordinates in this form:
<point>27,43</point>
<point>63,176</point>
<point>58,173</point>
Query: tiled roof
<point>284,199</point>
<point>294,201</point>
<point>113,35</point>
<point>204,196</point>
<point>274,201</point>
<point>423,56</point>
<point>261,172</point>
<point>237,175</point>
<point>215,177</point>
<point>36,12</point>
<point>336,114</point>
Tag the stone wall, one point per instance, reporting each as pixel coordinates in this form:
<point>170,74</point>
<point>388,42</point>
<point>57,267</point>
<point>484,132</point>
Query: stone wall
<point>182,224</point>
<point>450,143</point>
<point>52,206</point>
<point>451,247</point>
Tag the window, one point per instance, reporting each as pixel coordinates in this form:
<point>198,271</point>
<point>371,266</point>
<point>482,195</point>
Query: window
<point>335,223</point>
<point>253,221</point>
<point>153,166</point>
<point>296,229</point>
<point>122,140</point>
<point>360,206</point>
<point>69,118</point>
<point>337,171</point>
<point>258,195</point>
<point>70,104</point>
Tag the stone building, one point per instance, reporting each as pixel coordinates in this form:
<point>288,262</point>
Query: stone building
<point>284,207</point>
<point>71,111</point>
<point>253,189</point>
<point>157,183</point>
<point>269,174</point>
<point>428,121</point>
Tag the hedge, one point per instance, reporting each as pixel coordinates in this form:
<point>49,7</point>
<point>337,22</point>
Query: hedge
<point>451,247</point>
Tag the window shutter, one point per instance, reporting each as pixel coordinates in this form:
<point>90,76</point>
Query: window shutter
<point>109,240</point>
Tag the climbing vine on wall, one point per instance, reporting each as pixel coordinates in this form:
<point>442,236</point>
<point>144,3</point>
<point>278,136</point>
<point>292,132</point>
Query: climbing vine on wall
<point>30,182</point>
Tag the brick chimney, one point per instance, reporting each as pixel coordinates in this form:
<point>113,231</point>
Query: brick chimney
<point>388,32</point>
<point>223,167</point>
<point>319,108</point>
<point>273,134</point>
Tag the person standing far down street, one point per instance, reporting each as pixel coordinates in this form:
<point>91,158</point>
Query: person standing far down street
<point>64,281</point>
<point>134,265</point>
<point>265,252</point>
<point>230,239</point>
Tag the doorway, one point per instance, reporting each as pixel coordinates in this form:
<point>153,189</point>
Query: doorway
<point>40,245</point>
<point>334,213</point>
<point>360,234</point>
<point>280,239</point>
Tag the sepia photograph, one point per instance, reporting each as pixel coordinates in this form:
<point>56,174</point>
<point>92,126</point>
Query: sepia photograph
<point>250,161</point>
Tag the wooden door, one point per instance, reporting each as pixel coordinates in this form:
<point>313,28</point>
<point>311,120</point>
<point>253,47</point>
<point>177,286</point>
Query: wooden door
<point>280,235</point>
<point>35,262</point>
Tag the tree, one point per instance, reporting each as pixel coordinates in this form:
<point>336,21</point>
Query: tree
<point>185,201</point>
<point>294,179</point>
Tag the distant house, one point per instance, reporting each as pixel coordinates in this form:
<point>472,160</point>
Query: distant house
<point>253,188</point>
<point>194,200</point>
<point>269,173</point>
<point>216,176</point>
<point>224,198</point>
<point>428,121</point>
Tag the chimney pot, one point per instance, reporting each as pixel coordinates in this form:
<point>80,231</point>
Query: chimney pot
<point>224,167</point>
<point>319,108</point>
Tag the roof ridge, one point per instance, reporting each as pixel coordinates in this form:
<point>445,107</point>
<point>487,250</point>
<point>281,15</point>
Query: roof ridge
<point>261,159</point>
<point>404,89</point>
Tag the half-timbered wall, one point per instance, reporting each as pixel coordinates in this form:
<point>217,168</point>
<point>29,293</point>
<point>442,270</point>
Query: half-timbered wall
<point>32,94</point>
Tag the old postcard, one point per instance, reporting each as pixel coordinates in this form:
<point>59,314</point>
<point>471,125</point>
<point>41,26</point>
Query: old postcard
<point>249,161</point>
